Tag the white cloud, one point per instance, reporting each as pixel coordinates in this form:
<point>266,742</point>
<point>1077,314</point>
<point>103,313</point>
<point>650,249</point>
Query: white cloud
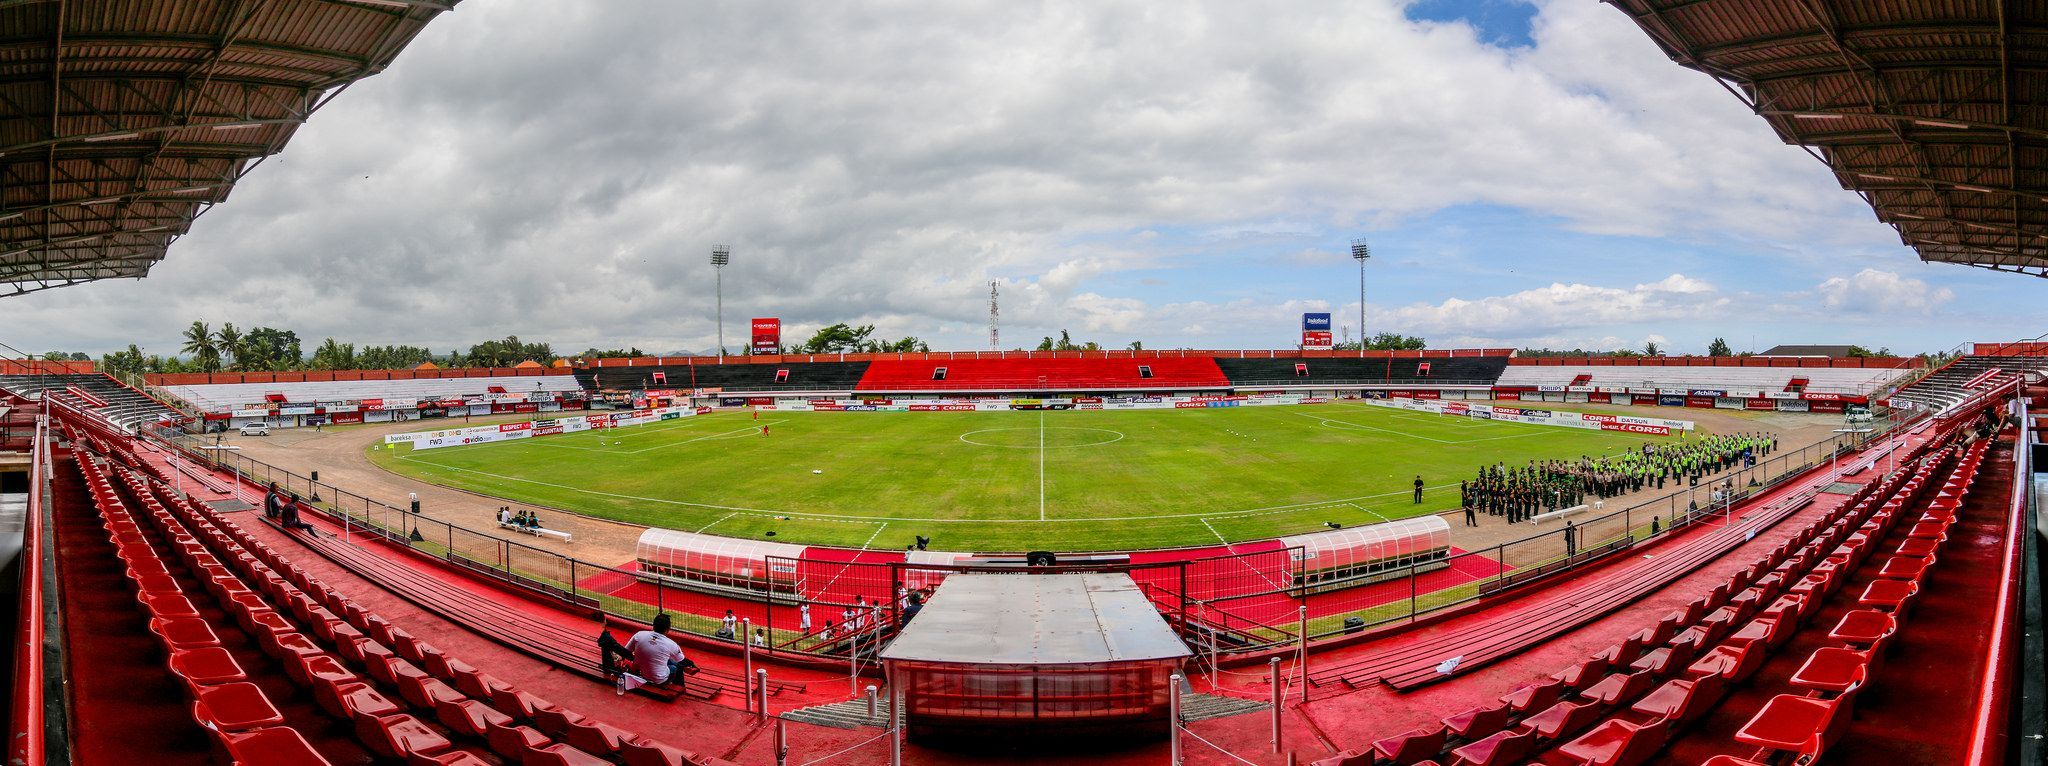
<point>882,163</point>
<point>1871,291</point>
<point>1559,306</point>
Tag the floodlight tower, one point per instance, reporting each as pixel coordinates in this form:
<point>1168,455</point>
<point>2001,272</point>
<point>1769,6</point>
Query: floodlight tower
<point>1361,252</point>
<point>722,255</point>
<point>993,315</point>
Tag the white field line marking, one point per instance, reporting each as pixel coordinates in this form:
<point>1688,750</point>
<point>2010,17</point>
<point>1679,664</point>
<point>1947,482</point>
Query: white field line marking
<point>721,519</point>
<point>742,429</point>
<point>1041,465</point>
<point>849,565</point>
<point>1382,517</point>
<point>1212,530</point>
<point>871,519</point>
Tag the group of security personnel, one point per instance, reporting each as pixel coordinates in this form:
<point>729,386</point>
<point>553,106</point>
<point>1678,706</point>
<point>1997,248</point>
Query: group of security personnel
<point>1520,493</point>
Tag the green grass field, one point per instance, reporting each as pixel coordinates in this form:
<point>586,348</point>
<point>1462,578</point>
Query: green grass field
<point>1005,480</point>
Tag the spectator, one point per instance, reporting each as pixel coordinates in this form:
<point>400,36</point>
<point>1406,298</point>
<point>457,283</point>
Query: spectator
<point>288,516</point>
<point>760,638</point>
<point>504,515</point>
<point>656,657</point>
<point>729,627</point>
<point>271,502</point>
<point>803,617</point>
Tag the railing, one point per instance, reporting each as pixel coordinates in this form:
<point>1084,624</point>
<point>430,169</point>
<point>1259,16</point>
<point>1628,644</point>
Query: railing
<point>26,740</point>
<point>1990,725</point>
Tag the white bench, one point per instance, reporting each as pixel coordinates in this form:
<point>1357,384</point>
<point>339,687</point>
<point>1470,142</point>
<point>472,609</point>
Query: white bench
<point>1560,513</point>
<point>536,531</point>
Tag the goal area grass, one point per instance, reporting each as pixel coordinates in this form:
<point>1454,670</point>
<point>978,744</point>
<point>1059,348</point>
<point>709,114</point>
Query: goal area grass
<point>1005,481</point>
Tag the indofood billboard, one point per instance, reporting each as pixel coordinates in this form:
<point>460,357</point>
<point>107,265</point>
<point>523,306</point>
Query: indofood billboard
<point>1315,332</point>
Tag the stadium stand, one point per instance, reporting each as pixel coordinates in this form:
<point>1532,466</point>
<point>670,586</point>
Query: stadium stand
<point>221,397</point>
<point>1967,375</point>
<point>1044,375</point>
<point>1623,704</point>
<point>235,619</point>
<point>124,406</point>
<point>1849,381</point>
<point>1281,373</point>
<point>807,377</point>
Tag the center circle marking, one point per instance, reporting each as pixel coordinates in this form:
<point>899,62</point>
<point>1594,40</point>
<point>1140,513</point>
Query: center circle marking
<point>1114,436</point>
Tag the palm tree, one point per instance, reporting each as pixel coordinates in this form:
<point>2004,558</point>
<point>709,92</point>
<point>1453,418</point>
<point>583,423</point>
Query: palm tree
<point>230,340</point>
<point>199,343</point>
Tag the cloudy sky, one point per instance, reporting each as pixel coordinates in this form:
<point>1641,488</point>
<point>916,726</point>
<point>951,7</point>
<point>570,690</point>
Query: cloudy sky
<point>1185,175</point>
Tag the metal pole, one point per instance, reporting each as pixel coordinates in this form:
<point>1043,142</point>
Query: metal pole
<point>747,655</point>
<point>1173,717</point>
<point>1301,649</point>
<point>896,721</point>
<point>1361,308</point>
<point>872,702</point>
<point>781,742</point>
<point>762,676</point>
<point>1273,677</point>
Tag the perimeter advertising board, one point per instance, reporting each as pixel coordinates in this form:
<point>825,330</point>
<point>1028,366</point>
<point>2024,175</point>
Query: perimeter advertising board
<point>767,336</point>
<point>1315,332</point>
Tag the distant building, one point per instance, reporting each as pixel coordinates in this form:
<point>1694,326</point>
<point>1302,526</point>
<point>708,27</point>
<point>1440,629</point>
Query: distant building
<point>1833,352</point>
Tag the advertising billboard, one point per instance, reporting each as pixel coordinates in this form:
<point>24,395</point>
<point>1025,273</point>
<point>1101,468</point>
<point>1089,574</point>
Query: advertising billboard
<point>1315,331</point>
<point>767,336</point>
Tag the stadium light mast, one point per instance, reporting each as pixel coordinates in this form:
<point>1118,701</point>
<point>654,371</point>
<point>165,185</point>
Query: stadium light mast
<point>720,256</point>
<point>1361,252</point>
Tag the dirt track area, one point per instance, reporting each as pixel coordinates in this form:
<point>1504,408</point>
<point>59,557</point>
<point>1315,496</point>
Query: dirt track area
<point>339,454</point>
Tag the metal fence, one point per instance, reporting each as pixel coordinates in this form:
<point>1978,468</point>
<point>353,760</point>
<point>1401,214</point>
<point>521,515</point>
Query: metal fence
<point>1237,602</point>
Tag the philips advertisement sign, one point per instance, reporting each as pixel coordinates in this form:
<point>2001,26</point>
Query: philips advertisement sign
<point>1315,331</point>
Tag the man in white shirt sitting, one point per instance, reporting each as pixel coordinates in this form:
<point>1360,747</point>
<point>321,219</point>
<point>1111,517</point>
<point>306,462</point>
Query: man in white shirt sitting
<point>656,657</point>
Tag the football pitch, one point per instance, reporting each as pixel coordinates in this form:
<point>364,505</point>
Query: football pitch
<point>1005,481</point>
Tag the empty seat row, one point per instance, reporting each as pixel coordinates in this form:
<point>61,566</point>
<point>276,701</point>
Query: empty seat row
<point>352,661</point>
<point>1628,699</point>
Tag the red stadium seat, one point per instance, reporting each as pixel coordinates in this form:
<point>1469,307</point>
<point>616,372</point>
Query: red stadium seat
<point>1508,747</point>
<point>468,717</point>
<point>272,746</point>
<point>1833,669</point>
<point>398,736</point>
<point>1683,699</point>
<point>1534,696</point>
<point>1618,743</point>
<point>1562,719</point>
<point>206,666</point>
<point>233,707</point>
<point>561,754</point>
<point>1805,725</point>
<point>1478,722</point>
<point>647,752</point>
<point>1618,687</point>
<point>514,742</point>
<point>1413,746</point>
<point>592,736</point>
<point>450,758</point>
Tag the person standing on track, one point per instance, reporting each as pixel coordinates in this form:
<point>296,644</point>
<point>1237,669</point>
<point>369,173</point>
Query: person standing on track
<point>1418,489</point>
<point>803,618</point>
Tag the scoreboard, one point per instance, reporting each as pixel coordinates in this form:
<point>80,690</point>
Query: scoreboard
<point>767,336</point>
<point>1315,332</point>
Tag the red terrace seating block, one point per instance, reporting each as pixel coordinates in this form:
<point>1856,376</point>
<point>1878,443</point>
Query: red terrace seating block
<point>1833,669</point>
<point>1479,722</point>
<point>398,736</point>
<point>1507,747</point>
<point>561,754</point>
<point>273,746</point>
<point>468,717</point>
<point>1412,747</point>
<point>234,707</point>
<point>1534,696</point>
<point>1804,725</point>
<point>1618,743</point>
<point>1684,699</point>
<point>513,742</point>
<point>1863,627</point>
<point>206,666</point>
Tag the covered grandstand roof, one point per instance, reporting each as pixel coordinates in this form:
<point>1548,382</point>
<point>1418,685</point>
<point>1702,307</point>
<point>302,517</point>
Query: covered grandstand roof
<point>1936,112</point>
<point>123,120</point>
